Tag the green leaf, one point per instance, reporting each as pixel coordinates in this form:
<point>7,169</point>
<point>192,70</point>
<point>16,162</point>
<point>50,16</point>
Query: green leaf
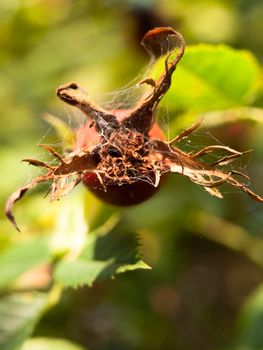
<point>80,272</point>
<point>215,118</point>
<point>19,314</point>
<point>70,225</point>
<point>250,335</point>
<point>102,257</point>
<point>21,257</point>
<point>100,216</point>
<point>211,77</point>
<point>50,344</point>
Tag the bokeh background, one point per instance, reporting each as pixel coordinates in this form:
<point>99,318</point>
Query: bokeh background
<point>205,289</point>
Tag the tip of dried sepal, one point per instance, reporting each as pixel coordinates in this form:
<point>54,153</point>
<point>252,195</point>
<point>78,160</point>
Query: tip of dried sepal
<point>64,177</point>
<point>208,175</point>
<point>8,210</point>
<point>15,196</point>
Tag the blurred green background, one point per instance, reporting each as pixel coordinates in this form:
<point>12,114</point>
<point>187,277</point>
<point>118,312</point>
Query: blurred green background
<point>205,288</point>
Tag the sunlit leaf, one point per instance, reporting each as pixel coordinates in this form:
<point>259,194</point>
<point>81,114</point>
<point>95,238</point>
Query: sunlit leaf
<point>101,217</point>
<point>215,118</point>
<point>233,115</point>
<point>50,344</point>
<point>102,257</point>
<point>211,77</point>
<point>21,257</point>
<point>70,225</point>
<point>19,314</point>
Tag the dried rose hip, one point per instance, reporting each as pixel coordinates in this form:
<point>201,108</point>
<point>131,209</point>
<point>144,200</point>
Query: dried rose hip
<point>131,147</point>
<point>121,154</point>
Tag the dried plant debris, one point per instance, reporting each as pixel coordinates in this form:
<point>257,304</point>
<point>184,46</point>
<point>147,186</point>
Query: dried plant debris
<point>125,151</point>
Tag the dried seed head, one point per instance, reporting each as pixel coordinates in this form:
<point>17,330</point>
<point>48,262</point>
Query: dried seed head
<point>127,157</point>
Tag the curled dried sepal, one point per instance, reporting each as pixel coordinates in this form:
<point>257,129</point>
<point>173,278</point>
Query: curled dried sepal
<point>72,94</point>
<point>65,176</point>
<point>158,42</point>
<point>18,194</point>
<point>207,175</point>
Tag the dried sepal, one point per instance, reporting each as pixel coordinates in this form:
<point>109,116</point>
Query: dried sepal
<point>17,195</point>
<point>205,174</point>
<point>72,94</point>
<point>158,42</point>
<point>185,133</point>
<point>64,177</point>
